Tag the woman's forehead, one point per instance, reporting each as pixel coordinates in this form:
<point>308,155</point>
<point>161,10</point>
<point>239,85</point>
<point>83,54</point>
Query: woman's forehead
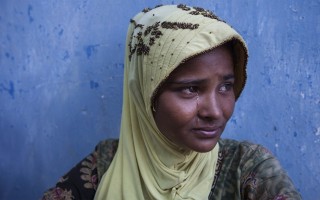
<point>220,56</point>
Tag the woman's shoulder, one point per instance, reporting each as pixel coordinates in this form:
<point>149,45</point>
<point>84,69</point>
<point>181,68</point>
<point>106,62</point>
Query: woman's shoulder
<point>83,179</point>
<point>243,149</point>
<point>231,144</point>
<point>251,171</point>
<point>245,156</point>
<point>105,150</point>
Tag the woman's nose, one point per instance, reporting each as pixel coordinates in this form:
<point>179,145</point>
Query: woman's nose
<point>209,107</point>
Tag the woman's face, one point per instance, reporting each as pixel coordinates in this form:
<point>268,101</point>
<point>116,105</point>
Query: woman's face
<point>197,100</point>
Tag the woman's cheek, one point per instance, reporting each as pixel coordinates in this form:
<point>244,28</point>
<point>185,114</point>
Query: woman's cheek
<point>229,108</point>
<point>185,110</point>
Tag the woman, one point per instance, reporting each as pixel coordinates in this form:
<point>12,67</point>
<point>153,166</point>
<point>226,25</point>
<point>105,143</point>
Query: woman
<point>184,70</point>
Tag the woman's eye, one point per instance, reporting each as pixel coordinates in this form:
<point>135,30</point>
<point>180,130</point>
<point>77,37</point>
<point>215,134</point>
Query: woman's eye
<point>190,90</point>
<point>226,87</point>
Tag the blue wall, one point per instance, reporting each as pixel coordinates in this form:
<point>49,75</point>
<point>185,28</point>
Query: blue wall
<point>61,65</point>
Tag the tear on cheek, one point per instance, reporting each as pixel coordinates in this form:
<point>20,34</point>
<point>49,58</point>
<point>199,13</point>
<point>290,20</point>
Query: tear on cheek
<point>197,109</point>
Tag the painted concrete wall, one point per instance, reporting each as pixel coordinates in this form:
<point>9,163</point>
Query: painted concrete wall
<point>61,65</point>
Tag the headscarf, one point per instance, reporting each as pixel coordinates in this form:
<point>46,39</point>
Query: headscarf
<point>147,165</point>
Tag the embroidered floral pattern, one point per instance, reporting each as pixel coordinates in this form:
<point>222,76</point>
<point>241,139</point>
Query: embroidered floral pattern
<point>249,185</point>
<point>250,180</point>
<point>199,11</point>
<point>153,32</point>
<point>179,25</point>
<point>58,193</point>
<point>145,10</point>
<point>280,197</point>
<point>184,7</point>
<point>217,172</point>
<point>88,166</point>
<point>218,169</point>
<point>63,179</point>
<point>140,47</point>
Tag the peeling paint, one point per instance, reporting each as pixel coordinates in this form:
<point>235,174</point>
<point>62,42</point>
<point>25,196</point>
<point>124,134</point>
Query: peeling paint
<point>317,132</point>
<point>30,8</point>
<point>94,85</point>
<point>303,148</point>
<point>10,88</point>
<point>91,49</point>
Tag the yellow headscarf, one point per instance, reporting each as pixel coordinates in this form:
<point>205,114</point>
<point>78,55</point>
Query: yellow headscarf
<point>147,165</point>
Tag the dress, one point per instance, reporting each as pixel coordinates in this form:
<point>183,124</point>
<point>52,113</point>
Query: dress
<point>244,171</point>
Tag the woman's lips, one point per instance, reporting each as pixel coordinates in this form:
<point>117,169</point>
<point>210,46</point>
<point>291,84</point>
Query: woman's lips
<point>206,132</point>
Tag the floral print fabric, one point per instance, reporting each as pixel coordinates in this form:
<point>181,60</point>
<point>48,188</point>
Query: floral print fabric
<point>244,171</point>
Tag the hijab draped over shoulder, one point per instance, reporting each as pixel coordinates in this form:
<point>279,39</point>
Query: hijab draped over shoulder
<point>147,165</point>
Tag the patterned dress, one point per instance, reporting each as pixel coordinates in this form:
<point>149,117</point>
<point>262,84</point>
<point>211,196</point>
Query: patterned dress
<point>244,171</point>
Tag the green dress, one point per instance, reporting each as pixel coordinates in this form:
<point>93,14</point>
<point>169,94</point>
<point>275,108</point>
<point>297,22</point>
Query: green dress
<point>244,171</point>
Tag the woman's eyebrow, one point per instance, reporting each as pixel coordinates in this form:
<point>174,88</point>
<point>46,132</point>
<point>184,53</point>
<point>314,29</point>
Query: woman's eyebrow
<point>197,81</point>
<point>228,77</point>
<point>187,81</point>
